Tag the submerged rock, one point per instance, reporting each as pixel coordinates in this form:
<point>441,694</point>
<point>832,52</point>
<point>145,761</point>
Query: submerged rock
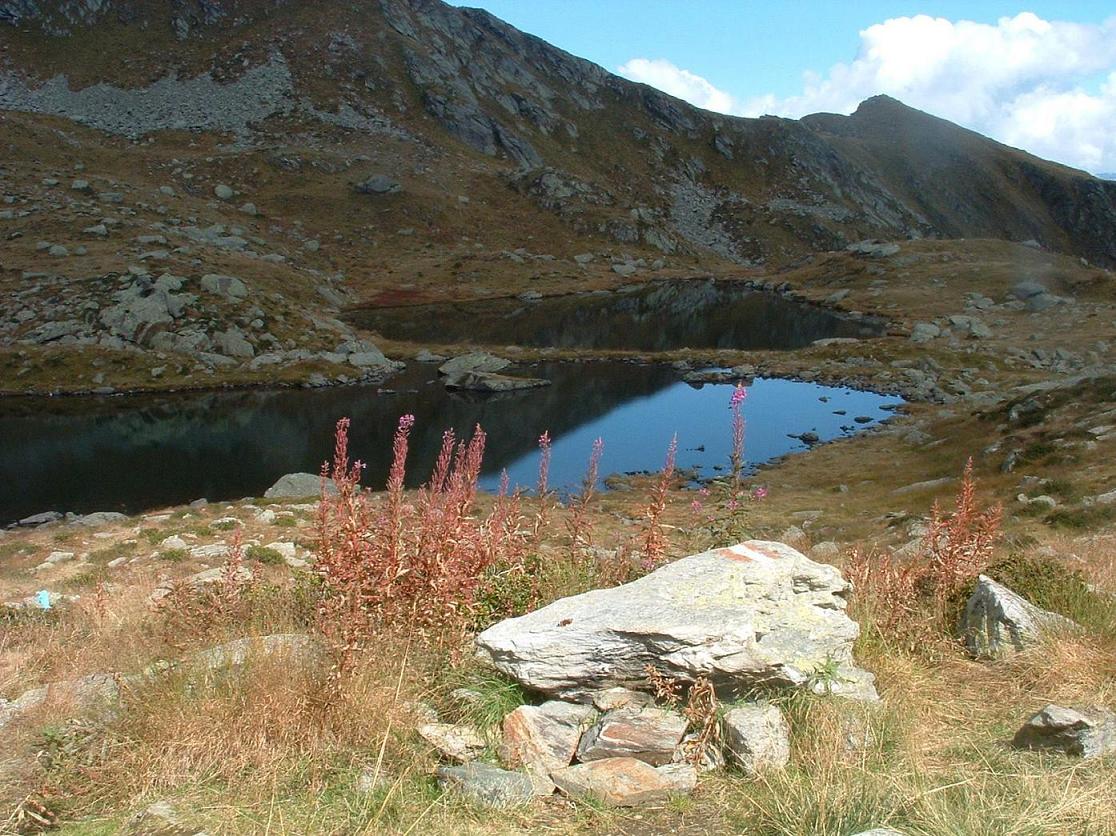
<point>755,614</point>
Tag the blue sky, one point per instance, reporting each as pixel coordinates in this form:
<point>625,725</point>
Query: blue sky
<point>1058,100</point>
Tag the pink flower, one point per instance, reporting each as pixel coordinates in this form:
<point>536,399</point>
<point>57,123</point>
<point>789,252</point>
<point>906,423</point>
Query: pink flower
<point>759,493</point>
<point>406,421</point>
<point>738,396</point>
<point>695,506</point>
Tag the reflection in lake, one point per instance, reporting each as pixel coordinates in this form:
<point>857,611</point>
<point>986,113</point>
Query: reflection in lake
<point>656,316</point>
<point>136,453</point>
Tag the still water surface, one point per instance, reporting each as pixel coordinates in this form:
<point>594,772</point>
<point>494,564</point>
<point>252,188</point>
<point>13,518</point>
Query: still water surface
<point>141,452</point>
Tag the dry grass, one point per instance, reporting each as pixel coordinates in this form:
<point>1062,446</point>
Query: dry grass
<point>275,749</point>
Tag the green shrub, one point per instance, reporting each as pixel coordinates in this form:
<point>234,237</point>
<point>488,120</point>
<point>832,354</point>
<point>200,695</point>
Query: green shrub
<point>1082,518</point>
<point>262,554</point>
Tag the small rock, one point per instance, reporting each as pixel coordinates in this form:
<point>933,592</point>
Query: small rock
<point>45,518</point>
<point>456,743</point>
<point>757,737</point>
<point>223,192</point>
<point>611,698</point>
<point>101,518</point>
<point>228,286</point>
<point>160,819</point>
<point>379,184</point>
<point>1087,732</point>
<point>487,785</point>
<point>618,782</point>
<point>543,738</point>
<point>924,332</point>
<point>489,382</point>
<point>682,777</point>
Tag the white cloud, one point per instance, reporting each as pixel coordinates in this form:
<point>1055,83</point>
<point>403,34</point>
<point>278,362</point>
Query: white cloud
<point>1023,80</point>
<point>684,84</point>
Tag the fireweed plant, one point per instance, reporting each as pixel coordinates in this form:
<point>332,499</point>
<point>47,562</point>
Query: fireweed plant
<point>722,503</point>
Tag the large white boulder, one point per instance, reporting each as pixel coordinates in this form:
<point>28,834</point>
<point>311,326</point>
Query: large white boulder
<point>758,614</point>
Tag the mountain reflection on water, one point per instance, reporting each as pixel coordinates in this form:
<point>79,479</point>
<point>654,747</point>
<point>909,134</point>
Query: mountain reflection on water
<point>656,316</point>
<point>142,452</point>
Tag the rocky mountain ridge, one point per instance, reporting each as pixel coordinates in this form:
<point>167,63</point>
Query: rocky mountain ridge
<point>608,157</point>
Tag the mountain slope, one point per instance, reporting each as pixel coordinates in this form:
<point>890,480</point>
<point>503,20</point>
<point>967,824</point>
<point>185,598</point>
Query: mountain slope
<point>609,157</point>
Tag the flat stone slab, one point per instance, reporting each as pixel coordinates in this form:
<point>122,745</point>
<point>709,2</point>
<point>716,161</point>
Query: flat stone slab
<point>620,782</point>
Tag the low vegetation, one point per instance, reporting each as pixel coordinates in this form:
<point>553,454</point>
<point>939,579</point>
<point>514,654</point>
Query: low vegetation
<point>320,737</point>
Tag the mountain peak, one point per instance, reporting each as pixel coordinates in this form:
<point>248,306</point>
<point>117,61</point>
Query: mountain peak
<point>601,155</point>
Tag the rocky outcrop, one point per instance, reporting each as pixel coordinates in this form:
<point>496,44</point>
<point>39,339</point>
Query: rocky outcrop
<point>756,614</point>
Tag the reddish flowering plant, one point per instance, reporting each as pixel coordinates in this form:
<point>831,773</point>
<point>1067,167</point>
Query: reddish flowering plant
<point>736,456</point>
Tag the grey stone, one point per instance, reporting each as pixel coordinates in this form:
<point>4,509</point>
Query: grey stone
<point>489,382</point>
<point>476,361</point>
<point>924,332</point>
<point>223,192</point>
<point>101,518</point>
<point>873,248</point>
<point>45,518</point>
<point>228,286</point>
<point>757,737</point>
<point>298,486</point>
<point>758,613</point>
<point>1085,732</point>
<point>379,184</point>
<point>160,819</point>
<point>487,785</point>
<point>232,343</point>
<point>997,622</point>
